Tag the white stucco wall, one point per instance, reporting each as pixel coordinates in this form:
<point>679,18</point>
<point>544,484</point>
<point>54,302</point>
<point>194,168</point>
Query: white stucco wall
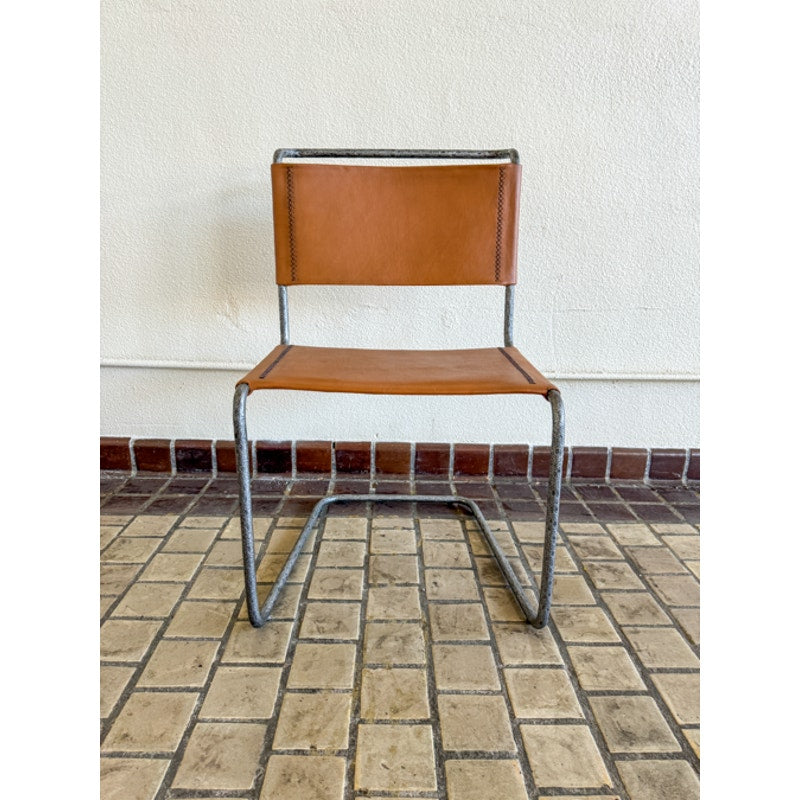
<point>600,97</point>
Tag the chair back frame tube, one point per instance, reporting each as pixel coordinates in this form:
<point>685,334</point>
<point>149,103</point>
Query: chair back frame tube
<point>508,319</point>
<point>477,155</point>
<point>283,308</point>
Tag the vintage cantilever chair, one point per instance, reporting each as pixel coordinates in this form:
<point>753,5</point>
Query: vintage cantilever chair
<point>397,225</point>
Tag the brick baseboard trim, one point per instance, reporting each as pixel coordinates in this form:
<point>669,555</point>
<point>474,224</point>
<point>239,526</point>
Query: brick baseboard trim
<point>187,456</point>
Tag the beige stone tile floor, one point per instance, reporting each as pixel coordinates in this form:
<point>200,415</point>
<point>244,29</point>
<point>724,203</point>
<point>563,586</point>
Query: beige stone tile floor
<point>397,664</point>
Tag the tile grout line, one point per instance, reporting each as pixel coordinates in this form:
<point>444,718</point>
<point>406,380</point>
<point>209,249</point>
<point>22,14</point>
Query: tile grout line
<point>567,666</point>
<point>681,560</point>
<point>629,505</point>
<point>358,667</point>
<point>120,534</point>
<point>191,725</point>
<point>685,752</point>
<point>130,687</point>
<point>664,606</point>
<point>523,761</point>
<point>272,723</point>
<point>588,714</point>
<point>430,679</point>
<point>294,639</point>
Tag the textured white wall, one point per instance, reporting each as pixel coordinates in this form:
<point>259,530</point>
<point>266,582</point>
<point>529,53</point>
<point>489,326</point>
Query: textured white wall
<point>600,99</point>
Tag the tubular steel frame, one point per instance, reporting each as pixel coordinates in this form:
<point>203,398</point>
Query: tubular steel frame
<point>259,614</point>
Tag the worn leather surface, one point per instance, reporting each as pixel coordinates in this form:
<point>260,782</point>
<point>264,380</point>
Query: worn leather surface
<point>490,370</point>
<point>431,225</point>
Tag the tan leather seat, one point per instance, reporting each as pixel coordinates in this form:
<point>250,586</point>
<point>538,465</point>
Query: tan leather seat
<point>489,370</point>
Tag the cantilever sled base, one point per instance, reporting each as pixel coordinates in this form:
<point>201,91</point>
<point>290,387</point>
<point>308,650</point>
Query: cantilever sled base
<point>259,614</point>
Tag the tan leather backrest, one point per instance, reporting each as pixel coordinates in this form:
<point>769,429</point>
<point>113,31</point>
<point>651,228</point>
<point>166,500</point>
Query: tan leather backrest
<point>434,225</point>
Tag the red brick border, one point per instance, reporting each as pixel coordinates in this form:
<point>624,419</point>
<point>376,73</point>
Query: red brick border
<point>396,458</point>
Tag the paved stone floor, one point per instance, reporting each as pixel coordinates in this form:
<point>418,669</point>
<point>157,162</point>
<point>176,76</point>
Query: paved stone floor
<point>400,668</point>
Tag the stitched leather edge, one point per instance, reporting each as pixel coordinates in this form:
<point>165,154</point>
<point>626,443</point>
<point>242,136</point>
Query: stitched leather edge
<point>290,208</point>
<point>527,377</point>
<point>498,241</point>
<point>275,362</point>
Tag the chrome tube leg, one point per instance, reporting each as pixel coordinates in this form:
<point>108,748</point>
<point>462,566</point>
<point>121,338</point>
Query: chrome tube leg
<point>246,502</point>
<point>553,503</point>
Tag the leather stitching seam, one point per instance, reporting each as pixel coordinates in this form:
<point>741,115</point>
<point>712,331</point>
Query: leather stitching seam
<point>290,207</point>
<point>527,377</point>
<point>498,242</point>
<point>274,363</point>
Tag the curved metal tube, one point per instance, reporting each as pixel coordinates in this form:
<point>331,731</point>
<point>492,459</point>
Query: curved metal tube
<point>259,614</point>
<point>245,501</point>
<point>304,152</point>
<point>553,504</point>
